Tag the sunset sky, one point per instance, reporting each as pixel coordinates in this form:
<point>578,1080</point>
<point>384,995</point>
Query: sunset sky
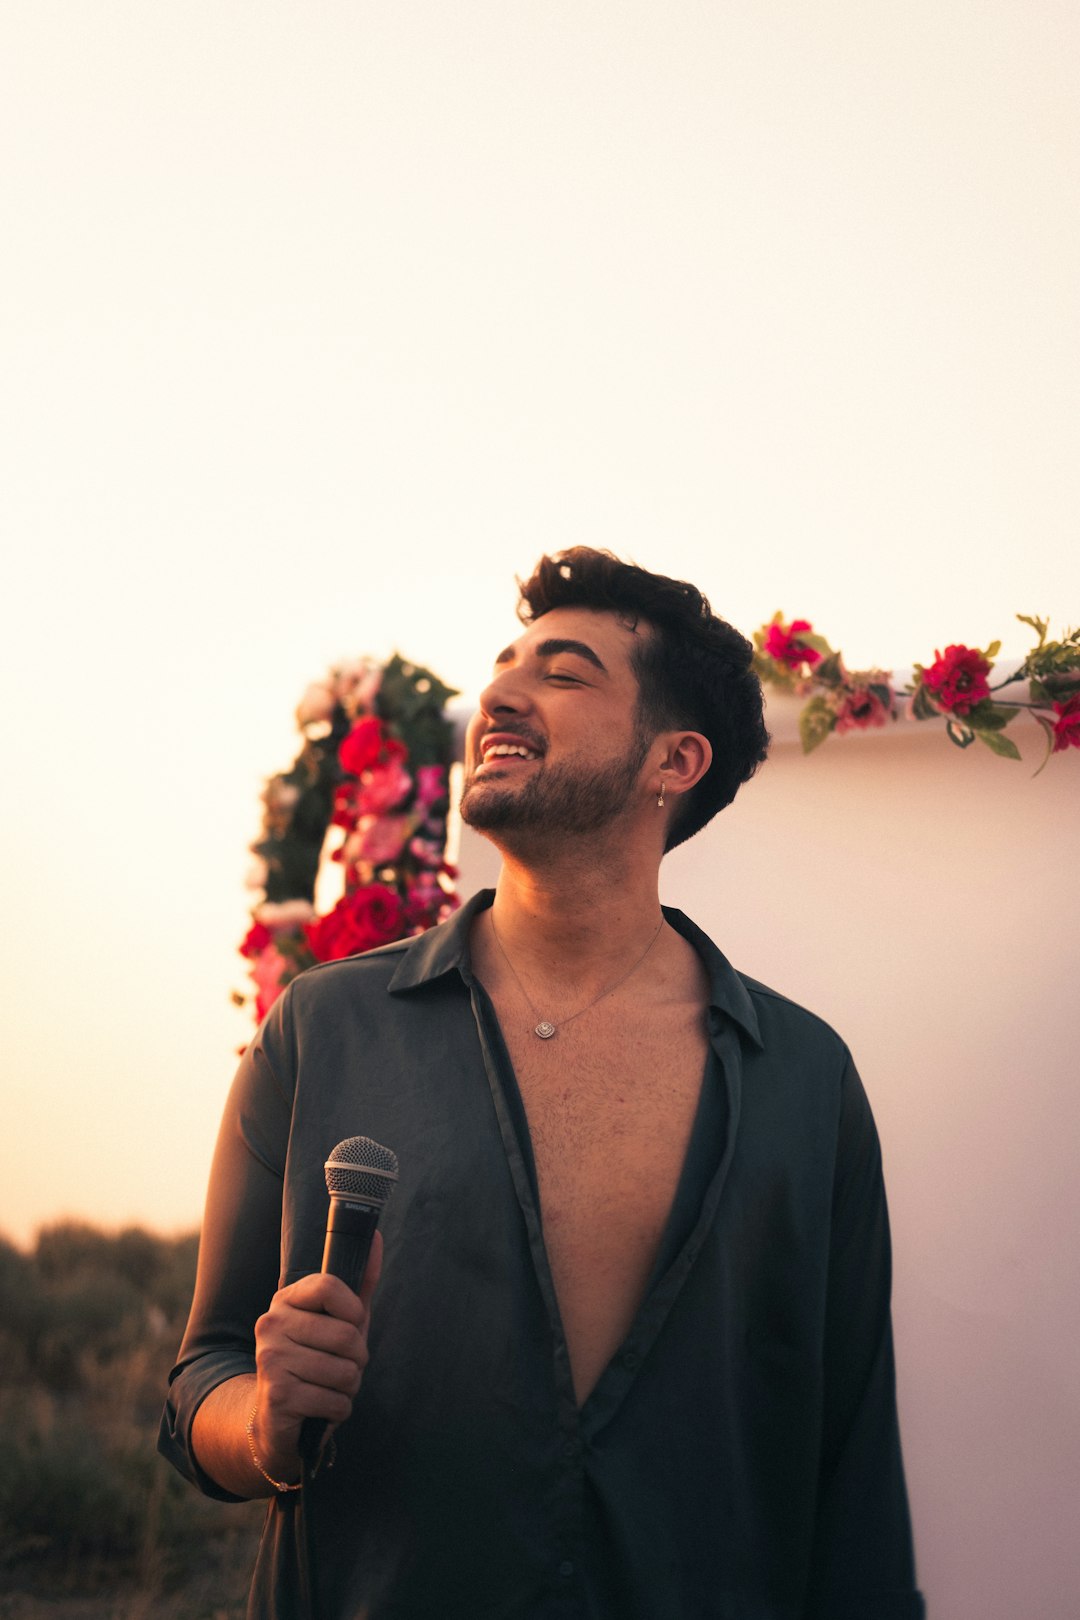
<point>321,322</point>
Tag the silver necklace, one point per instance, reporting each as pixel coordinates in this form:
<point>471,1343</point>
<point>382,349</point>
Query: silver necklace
<point>544,1028</point>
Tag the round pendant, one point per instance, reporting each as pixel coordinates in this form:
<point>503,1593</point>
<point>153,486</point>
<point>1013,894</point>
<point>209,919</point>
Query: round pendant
<point>544,1030</point>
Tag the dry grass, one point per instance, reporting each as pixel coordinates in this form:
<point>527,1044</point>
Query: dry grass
<point>94,1525</point>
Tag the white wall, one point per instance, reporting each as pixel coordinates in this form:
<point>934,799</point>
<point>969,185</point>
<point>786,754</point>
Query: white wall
<point>926,903</point>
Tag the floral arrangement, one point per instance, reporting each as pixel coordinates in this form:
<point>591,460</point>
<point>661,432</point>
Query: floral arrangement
<point>375,764</point>
<point>956,685</point>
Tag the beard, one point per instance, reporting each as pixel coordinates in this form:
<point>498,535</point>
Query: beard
<point>556,798</point>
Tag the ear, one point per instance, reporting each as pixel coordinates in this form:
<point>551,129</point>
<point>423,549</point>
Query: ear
<point>685,756</point>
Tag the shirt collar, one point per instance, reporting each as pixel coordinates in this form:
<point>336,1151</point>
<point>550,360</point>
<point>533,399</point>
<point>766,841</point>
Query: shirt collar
<point>445,949</point>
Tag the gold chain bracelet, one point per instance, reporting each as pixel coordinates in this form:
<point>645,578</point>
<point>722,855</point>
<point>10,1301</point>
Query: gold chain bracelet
<point>279,1485</point>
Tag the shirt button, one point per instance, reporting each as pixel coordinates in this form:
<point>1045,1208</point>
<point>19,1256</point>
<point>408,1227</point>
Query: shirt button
<point>631,1360</point>
<point>566,1568</point>
<point>570,1449</point>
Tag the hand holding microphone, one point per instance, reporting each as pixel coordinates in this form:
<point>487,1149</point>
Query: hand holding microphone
<point>311,1345</point>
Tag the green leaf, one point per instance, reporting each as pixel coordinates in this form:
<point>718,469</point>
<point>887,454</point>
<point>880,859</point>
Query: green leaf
<point>768,670</point>
<point>988,716</point>
<point>993,650</point>
<point>407,690</point>
<point>961,735</point>
<point>999,744</point>
<point>830,672</point>
<point>815,723</point>
<point>1048,728</point>
<point>1040,626</point>
<point>818,643</point>
<point>922,708</point>
<point>1039,693</point>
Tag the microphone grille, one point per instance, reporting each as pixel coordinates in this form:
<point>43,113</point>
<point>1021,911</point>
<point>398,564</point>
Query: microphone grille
<point>361,1169</point>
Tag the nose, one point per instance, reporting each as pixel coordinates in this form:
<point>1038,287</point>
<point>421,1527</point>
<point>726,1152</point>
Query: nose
<point>505,694</point>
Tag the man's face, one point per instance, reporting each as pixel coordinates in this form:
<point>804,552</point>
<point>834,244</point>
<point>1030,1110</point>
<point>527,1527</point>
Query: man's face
<point>555,745</point>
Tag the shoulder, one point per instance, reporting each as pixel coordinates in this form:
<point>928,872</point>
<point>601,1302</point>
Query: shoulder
<point>433,956</point>
<point>366,977</point>
<point>786,1023</point>
<point>775,1027</point>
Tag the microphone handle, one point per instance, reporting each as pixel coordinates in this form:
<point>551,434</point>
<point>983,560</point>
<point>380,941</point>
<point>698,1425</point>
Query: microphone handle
<point>350,1231</point>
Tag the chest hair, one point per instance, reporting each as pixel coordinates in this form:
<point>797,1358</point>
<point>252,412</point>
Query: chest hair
<point>610,1103</point>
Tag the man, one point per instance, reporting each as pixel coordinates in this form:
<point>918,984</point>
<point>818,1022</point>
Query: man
<point>631,1354</point>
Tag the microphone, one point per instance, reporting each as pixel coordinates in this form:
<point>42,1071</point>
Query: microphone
<point>360,1176</point>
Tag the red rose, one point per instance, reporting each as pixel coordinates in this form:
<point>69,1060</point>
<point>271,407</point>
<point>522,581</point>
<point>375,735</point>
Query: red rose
<point>783,644</point>
<point>365,917</point>
<point>361,748</point>
<point>345,809</point>
<point>957,680</point>
<point>1067,724</point>
<point>257,938</point>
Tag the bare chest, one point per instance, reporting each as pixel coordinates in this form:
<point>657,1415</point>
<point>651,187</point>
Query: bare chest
<point>610,1108</point>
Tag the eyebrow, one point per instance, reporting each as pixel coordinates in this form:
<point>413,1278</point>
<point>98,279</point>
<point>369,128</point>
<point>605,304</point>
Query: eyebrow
<point>556,645</point>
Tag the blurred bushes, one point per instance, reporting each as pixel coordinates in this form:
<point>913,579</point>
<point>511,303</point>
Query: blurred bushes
<point>89,1327</point>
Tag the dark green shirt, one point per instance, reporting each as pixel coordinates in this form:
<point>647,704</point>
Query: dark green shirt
<point>739,1457</point>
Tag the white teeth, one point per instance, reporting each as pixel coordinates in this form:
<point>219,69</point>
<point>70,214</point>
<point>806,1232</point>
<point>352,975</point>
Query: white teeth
<point>503,749</point>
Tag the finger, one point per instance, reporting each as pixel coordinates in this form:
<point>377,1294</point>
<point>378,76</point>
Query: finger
<point>284,1409</point>
<point>312,1330</point>
<point>283,1368</point>
<point>320,1291</point>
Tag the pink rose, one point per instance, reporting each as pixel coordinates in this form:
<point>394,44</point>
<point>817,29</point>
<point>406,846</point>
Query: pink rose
<point>861,706</point>
<point>382,788</point>
<point>379,839</point>
<point>430,785</point>
<point>428,902</point>
<point>266,970</point>
<point>356,685</point>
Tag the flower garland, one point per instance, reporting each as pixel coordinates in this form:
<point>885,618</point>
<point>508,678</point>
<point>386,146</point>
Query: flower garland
<point>791,656</point>
<point>375,763</point>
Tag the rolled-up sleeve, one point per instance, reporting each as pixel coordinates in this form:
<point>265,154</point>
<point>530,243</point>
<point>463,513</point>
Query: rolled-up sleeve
<point>239,1246</point>
<point>863,1564</point>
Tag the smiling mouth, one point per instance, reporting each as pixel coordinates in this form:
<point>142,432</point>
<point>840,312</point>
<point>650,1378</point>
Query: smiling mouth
<point>510,751</point>
<point>506,753</point>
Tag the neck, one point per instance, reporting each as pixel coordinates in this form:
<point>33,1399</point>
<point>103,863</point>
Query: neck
<point>581,915</point>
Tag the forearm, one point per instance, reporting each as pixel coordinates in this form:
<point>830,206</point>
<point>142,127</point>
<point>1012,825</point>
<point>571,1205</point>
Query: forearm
<point>222,1448</point>
<point>310,1353</point>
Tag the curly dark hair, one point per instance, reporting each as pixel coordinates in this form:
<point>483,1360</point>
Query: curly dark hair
<point>695,671</point>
